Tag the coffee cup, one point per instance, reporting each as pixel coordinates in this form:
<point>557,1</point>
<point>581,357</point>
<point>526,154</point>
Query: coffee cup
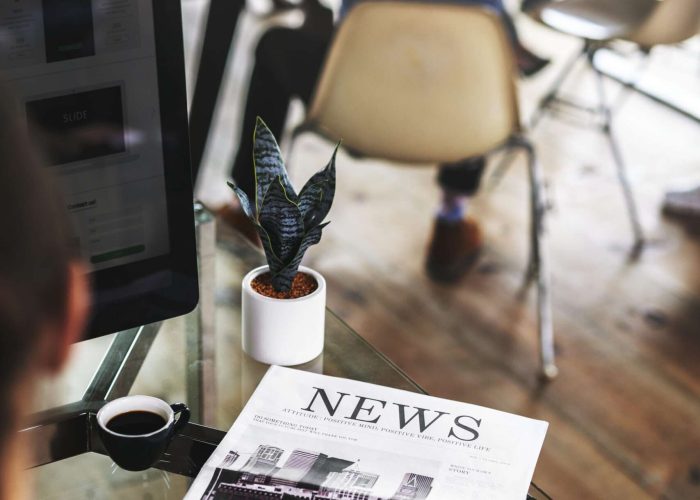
<point>136,430</point>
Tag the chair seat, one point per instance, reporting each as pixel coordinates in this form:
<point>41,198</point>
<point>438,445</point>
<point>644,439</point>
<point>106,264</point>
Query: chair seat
<point>597,20</point>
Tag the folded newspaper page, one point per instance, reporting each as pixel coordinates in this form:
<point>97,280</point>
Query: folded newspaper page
<point>309,436</point>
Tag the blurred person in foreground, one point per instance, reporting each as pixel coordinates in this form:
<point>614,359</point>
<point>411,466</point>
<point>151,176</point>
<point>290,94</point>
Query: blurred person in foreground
<point>287,64</point>
<point>44,296</point>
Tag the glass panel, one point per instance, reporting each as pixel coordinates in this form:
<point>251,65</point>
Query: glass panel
<point>70,385</point>
<point>100,478</point>
<point>169,374</point>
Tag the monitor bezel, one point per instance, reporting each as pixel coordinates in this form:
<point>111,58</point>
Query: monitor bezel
<point>182,294</point>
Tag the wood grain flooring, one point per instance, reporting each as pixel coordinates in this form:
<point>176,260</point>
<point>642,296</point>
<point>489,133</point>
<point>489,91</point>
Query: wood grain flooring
<point>625,410</point>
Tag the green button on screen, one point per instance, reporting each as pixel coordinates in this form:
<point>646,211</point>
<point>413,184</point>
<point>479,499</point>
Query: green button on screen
<point>117,254</point>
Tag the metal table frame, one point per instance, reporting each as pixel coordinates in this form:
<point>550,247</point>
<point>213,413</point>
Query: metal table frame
<point>70,430</point>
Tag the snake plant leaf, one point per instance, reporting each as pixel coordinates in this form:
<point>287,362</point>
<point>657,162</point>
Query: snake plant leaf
<point>268,164</point>
<point>243,199</point>
<point>272,260</point>
<point>282,279</point>
<point>316,196</point>
<point>282,221</point>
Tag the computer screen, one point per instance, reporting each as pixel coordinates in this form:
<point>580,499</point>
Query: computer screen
<point>101,86</point>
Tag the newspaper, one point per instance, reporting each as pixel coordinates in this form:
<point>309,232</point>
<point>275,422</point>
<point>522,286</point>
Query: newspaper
<point>309,436</point>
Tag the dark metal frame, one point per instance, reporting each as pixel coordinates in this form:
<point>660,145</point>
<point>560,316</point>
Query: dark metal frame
<point>54,431</point>
<point>71,430</point>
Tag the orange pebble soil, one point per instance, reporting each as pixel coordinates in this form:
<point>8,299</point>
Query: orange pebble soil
<point>303,285</point>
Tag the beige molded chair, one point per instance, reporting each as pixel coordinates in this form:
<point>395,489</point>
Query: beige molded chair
<point>644,22</point>
<point>429,83</point>
<point>599,22</point>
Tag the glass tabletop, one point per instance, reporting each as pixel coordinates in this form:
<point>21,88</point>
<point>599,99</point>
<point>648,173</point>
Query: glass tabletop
<point>170,374</point>
<point>215,380</point>
<point>196,359</point>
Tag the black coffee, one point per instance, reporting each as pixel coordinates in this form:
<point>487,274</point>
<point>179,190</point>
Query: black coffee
<point>134,423</point>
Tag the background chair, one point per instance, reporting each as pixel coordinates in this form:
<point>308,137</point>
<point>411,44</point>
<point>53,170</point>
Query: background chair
<point>599,22</point>
<point>430,83</point>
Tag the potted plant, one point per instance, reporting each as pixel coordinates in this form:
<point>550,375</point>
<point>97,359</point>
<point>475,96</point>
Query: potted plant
<point>283,303</point>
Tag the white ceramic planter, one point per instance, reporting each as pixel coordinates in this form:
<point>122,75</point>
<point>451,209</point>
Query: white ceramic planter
<point>283,331</point>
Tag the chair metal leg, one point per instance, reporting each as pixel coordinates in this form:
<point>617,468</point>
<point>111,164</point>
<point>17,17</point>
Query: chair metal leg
<point>537,266</point>
<point>626,89</point>
<point>619,161</point>
<point>501,168</point>
<point>553,91</point>
<point>634,84</point>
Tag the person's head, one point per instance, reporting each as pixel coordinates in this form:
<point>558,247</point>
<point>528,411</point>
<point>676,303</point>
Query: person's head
<point>43,289</point>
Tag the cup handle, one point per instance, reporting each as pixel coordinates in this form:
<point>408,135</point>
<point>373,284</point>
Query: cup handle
<point>184,412</point>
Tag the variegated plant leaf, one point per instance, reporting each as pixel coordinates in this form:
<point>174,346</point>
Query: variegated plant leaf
<point>273,261</point>
<point>243,199</point>
<point>268,164</point>
<point>282,280</point>
<point>316,196</point>
<point>281,219</point>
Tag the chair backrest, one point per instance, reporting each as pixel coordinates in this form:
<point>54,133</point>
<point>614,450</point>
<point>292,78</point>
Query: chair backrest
<point>672,21</point>
<point>417,83</point>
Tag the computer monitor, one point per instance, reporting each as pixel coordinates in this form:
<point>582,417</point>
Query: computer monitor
<point>101,86</point>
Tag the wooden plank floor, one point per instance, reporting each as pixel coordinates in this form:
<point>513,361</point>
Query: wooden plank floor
<point>625,409</point>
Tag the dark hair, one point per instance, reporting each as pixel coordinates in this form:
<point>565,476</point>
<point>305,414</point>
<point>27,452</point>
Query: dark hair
<point>35,250</point>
